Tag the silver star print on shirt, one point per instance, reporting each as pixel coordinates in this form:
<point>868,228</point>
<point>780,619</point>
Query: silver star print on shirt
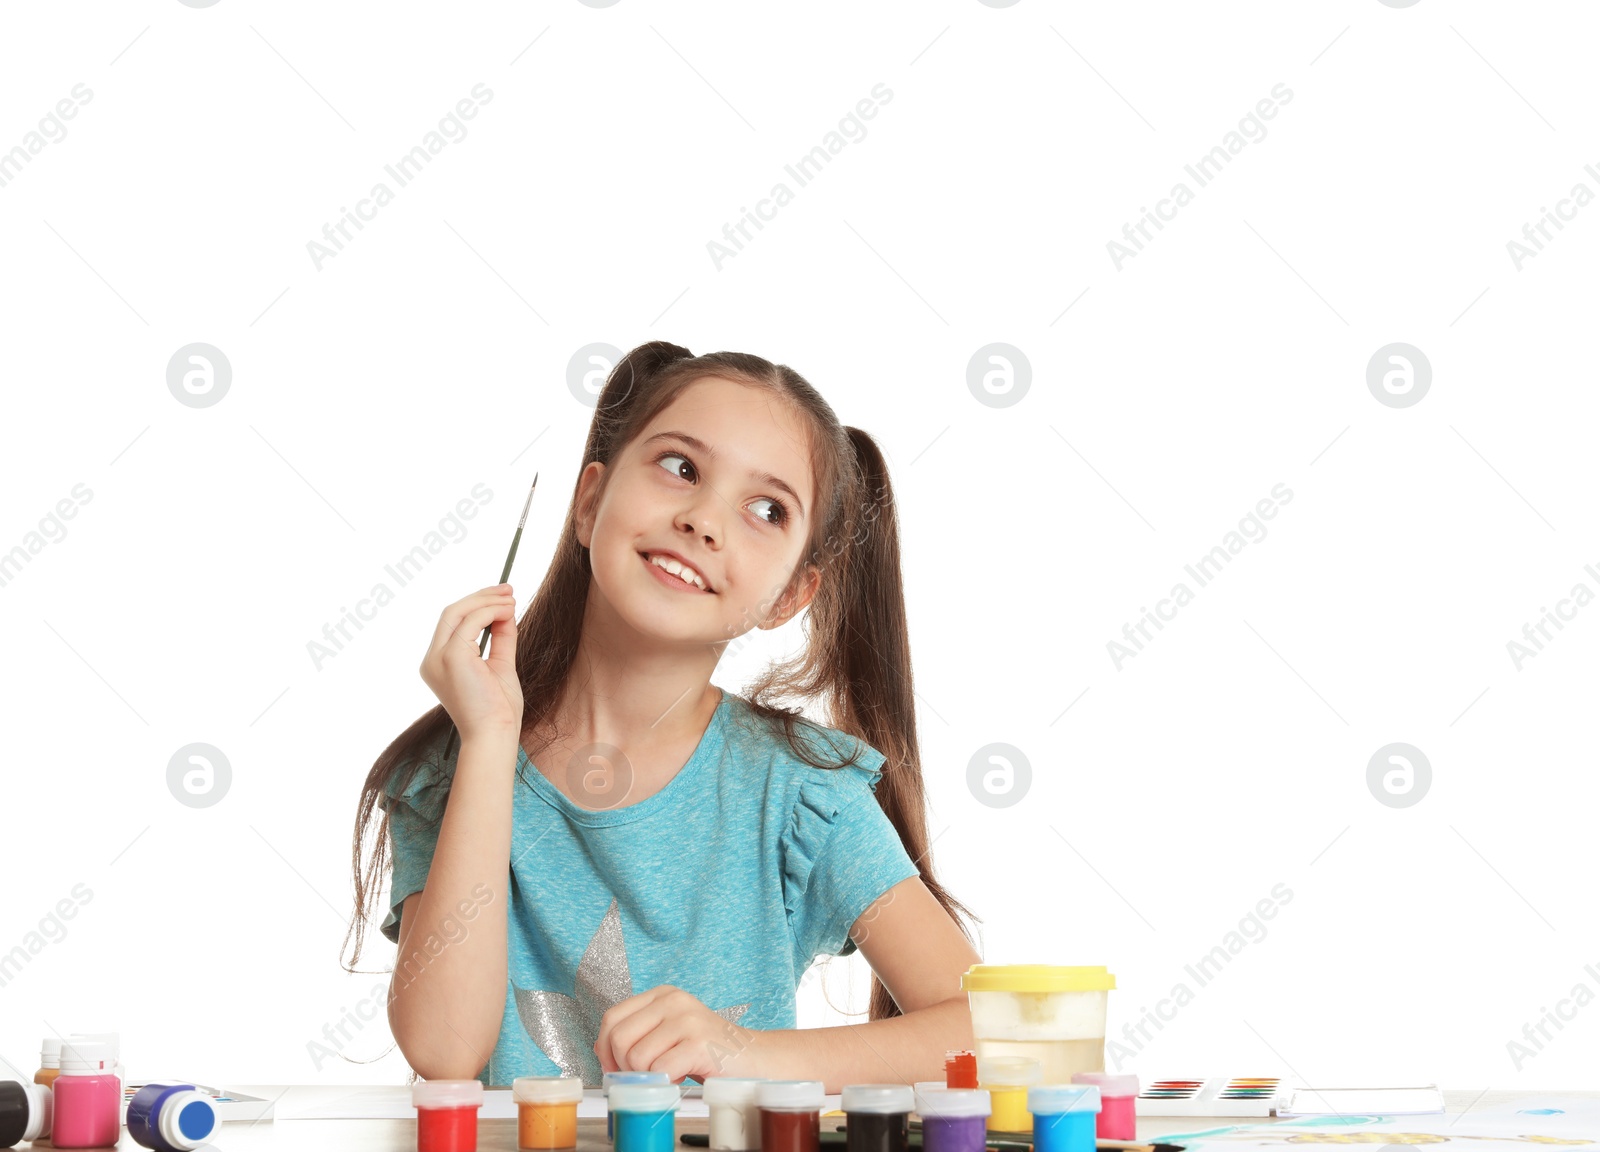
<point>566,1027</point>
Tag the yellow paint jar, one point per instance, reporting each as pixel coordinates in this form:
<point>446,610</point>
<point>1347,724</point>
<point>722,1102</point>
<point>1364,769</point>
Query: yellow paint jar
<point>1007,1079</point>
<point>547,1111</point>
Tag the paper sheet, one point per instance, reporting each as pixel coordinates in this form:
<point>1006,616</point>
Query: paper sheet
<point>1531,1121</point>
<point>1371,1101</point>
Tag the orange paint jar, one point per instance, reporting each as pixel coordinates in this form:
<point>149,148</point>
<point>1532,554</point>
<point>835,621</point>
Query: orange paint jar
<point>547,1111</point>
<point>49,1062</point>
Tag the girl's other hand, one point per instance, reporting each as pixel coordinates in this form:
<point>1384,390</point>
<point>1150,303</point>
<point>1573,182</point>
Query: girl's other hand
<point>482,695</point>
<point>669,1030</point>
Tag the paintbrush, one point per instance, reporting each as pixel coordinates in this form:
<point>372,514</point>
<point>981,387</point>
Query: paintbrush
<point>505,573</point>
<point>999,1141</point>
<point>996,1135</point>
<point>837,1137</point>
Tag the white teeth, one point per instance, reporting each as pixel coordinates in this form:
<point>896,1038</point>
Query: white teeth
<point>677,569</point>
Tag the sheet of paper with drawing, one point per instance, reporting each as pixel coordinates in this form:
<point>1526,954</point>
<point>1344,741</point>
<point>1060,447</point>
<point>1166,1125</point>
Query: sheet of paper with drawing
<point>1528,1121</point>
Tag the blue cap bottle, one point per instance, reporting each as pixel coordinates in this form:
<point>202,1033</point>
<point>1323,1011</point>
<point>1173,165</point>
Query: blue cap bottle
<point>171,1117</point>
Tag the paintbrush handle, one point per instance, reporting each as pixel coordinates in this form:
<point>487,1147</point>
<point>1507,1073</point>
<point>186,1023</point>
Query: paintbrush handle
<point>828,1138</point>
<point>999,1141</point>
<point>1007,1139</point>
<point>993,1134</point>
<point>505,573</point>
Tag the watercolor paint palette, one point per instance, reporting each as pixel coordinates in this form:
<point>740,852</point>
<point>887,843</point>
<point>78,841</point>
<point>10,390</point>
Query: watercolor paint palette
<point>229,1105</point>
<point>1213,1096</point>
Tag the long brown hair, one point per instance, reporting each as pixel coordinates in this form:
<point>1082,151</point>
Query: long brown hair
<point>856,661</point>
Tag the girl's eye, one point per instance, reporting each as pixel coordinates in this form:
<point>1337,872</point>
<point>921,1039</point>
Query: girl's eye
<point>673,456</point>
<point>783,511</point>
<point>782,508</point>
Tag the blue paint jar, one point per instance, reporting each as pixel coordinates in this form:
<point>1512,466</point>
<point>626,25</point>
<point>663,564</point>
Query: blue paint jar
<point>645,1115</point>
<point>1064,1116</point>
<point>953,1119</point>
<point>170,1116</point>
<point>607,1079</point>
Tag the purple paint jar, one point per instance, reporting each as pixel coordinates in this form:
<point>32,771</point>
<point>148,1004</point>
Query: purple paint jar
<point>953,1119</point>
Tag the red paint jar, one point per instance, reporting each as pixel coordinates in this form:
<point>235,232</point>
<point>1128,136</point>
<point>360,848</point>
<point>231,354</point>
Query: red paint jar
<point>791,1112</point>
<point>447,1114</point>
<point>960,1069</point>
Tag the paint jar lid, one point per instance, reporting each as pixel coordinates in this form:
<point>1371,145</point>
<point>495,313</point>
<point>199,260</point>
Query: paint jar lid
<point>547,1089</point>
<point>918,1087</point>
<point>643,1097</point>
<point>877,1098</point>
<point>790,1094</point>
<point>1009,1071</point>
<point>187,1119</point>
<point>740,1091</point>
<point>1037,978</point>
<point>1050,1099</point>
<point>50,1052</point>
<point>86,1057</point>
<point>447,1094</point>
<point>112,1040</point>
<point>1109,1083</point>
<point>952,1102</point>
<point>26,1111</point>
<point>607,1079</point>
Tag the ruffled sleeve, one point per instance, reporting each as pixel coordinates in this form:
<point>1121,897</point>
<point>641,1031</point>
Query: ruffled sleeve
<point>415,808</point>
<point>838,854</point>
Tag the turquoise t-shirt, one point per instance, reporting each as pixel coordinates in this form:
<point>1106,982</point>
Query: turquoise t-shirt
<point>726,883</point>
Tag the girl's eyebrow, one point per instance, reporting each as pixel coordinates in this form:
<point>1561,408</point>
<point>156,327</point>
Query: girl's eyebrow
<point>711,454</point>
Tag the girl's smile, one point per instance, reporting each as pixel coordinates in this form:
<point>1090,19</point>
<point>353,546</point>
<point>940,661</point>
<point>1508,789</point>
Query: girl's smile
<point>667,578</point>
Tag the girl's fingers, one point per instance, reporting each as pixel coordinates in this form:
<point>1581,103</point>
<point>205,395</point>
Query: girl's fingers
<point>453,663</point>
<point>625,1027</point>
<point>502,650</point>
<point>480,607</point>
<point>473,624</point>
<point>603,1046</point>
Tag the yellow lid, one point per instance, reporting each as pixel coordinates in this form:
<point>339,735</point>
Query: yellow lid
<point>1037,978</point>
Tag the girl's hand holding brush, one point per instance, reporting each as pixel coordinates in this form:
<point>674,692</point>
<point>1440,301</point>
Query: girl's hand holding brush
<point>483,696</point>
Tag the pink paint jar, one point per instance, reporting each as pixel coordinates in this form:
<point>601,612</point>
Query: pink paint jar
<point>88,1096</point>
<point>1116,1120</point>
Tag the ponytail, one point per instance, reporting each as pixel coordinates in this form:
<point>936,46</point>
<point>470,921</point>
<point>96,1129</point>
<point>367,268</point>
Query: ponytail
<point>875,697</point>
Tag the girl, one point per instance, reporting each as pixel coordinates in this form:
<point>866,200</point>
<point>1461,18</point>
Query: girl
<point>603,861</point>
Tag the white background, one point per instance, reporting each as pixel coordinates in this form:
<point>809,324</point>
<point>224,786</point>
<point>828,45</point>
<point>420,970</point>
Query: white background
<point>1167,398</point>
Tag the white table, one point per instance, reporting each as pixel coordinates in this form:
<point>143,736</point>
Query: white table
<point>501,1135</point>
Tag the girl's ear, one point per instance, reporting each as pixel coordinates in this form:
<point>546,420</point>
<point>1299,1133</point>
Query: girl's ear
<point>588,488</point>
<point>795,598</point>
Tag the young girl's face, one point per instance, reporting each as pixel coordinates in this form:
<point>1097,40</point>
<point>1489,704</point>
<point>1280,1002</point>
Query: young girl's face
<point>721,478</point>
